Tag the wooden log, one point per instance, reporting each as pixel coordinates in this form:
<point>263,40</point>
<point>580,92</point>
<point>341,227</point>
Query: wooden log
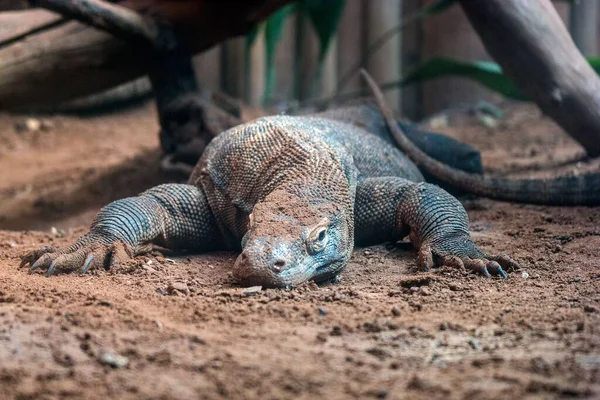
<point>74,60</point>
<point>14,27</point>
<point>530,42</point>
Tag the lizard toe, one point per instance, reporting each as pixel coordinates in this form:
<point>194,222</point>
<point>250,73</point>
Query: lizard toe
<point>66,262</point>
<point>95,257</point>
<point>495,269</point>
<point>507,263</point>
<point>478,266</point>
<point>32,256</point>
<point>43,261</point>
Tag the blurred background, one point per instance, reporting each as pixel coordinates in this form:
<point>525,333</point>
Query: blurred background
<point>307,53</point>
<point>424,53</point>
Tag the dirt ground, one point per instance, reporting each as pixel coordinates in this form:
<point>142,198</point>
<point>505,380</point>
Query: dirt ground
<point>179,329</point>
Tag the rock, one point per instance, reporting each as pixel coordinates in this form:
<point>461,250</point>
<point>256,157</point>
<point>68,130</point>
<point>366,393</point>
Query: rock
<point>396,312</point>
<point>114,360</point>
<point>336,331</point>
<point>524,275</point>
<point>59,233</point>
<point>180,287</point>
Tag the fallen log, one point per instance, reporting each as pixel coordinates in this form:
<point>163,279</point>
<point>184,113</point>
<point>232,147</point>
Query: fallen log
<point>530,42</point>
<point>74,60</point>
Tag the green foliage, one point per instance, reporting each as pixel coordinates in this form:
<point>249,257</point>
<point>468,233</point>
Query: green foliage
<point>324,16</point>
<point>273,30</point>
<point>488,74</point>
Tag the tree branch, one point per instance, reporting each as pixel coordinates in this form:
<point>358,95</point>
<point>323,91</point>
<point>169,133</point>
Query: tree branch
<point>530,42</point>
<point>114,19</point>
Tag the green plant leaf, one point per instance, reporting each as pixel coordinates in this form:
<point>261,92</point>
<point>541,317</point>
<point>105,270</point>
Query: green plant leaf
<point>594,63</point>
<point>273,30</point>
<point>325,17</point>
<point>486,73</point>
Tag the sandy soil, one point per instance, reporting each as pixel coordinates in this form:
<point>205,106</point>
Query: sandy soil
<point>178,328</point>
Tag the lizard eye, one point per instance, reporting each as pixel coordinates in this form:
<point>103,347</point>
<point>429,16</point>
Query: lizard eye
<point>317,239</point>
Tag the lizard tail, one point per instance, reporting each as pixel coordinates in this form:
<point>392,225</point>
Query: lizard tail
<point>572,190</point>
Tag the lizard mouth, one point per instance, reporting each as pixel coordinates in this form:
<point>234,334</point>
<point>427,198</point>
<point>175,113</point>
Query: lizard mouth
<point>328,271</point>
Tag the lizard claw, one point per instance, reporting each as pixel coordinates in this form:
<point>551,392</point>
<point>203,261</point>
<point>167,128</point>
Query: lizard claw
<point>460,252</point>
<point>87,264</point>
<point>87,252</point>
<point>31,256</point>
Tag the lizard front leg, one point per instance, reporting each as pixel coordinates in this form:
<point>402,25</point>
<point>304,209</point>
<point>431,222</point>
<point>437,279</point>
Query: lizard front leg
<point>173,216</point>
<point>389,208</point>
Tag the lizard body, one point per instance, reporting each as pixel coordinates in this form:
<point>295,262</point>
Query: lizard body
<point>294,195</point>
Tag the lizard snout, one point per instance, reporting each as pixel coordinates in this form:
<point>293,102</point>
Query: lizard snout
<point>261,265</point>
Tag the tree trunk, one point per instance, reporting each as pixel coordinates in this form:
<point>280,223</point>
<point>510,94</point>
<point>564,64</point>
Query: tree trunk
<point>530,42</point>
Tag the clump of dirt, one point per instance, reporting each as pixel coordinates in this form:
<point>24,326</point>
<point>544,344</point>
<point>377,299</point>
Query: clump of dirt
<point>178,327</point>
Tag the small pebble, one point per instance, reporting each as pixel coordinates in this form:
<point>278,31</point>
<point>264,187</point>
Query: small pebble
<point>473,344</point>
<point>251,291</point>
<point>57,232</point>
<point>396,312</point>
<point>28,125</point>
<point>524,275</point>
<point>46,125</point>
<point>322,311</point>
<point>159,325</point>
<point>114,360</point>
<point>590,308</point>
<point>180,287</point>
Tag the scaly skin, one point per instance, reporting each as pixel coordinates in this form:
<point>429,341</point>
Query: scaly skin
<point>294,194</point>
<point>581,189</point>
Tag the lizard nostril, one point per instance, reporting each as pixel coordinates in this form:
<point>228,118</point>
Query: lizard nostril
<point>278,265</point>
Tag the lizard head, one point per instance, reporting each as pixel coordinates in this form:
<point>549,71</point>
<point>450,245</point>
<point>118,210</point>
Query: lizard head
<point>292,239</point>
